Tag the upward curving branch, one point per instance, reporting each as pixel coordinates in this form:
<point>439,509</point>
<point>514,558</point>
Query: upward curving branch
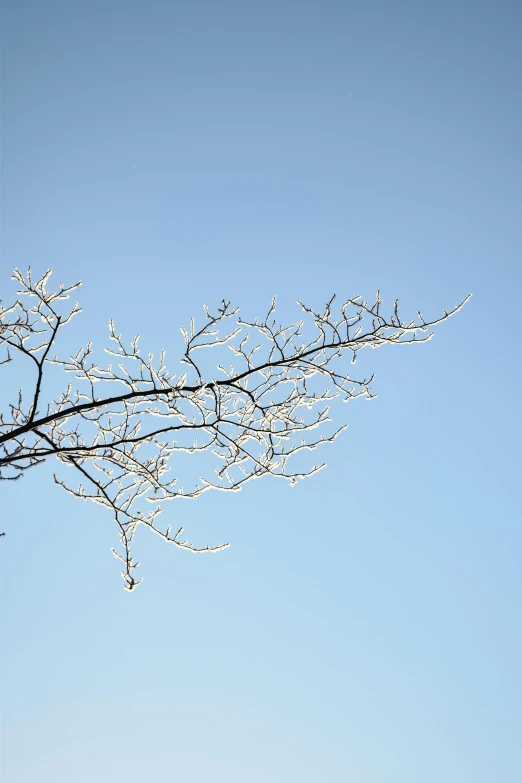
<point>259,417</point>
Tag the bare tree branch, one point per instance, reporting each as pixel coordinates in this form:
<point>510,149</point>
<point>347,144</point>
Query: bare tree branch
<point>258,418</point>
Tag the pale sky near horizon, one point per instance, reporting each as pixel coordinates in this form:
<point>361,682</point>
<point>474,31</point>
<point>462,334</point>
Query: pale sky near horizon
<point>365,625</point>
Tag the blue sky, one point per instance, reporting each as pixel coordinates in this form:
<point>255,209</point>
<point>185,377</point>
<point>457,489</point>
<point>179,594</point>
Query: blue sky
<point>365,626</point>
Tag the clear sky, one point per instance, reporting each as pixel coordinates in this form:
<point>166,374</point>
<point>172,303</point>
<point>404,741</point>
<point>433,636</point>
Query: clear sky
<point>365,626</point>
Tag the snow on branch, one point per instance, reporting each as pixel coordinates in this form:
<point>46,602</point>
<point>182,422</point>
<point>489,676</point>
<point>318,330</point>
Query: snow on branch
<point>119,427</point>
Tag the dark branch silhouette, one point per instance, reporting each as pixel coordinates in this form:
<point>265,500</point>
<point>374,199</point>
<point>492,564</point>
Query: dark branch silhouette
<point>258,418</point>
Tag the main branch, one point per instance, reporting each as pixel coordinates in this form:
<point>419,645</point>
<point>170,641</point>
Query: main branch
<point>259,418</point>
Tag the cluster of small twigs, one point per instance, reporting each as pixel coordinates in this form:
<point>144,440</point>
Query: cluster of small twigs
<point>255,418</point>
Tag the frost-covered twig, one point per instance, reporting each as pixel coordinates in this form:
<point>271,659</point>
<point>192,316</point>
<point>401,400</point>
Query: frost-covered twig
<point>259,417</point>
